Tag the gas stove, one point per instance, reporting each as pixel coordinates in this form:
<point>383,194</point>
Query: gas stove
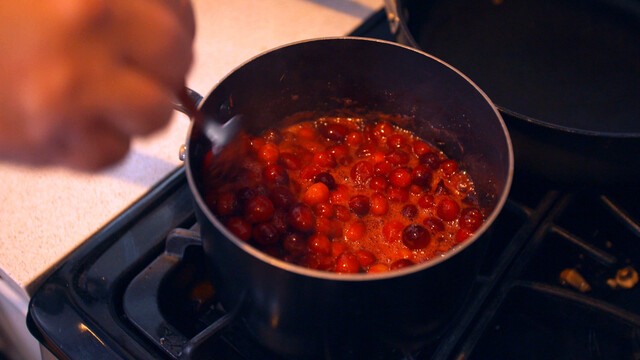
<point>557,281</point>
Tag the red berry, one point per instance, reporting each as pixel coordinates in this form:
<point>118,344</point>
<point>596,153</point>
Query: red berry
<point>382,168</point>
<point>239,227</point>
<point>392,231</point>
<point>365,150</point>
<point>319,244</point>
<point>365,257</point>
<point>463,234</point>
<point>354,139</point>
<point>379,204</point>
<point>430,159</point>
<point>226,204</point>
<point>396,141</point>
<point>327,179</point>
<point>421,175</point>
<point>342,213</point>
<point>397,195</point>
<point>269,153</point>
<point>338,151</point>
<point>347,262</point>
<point>355,231</point>
<point>378,183</point>
<point>301,218</point>
<point>281,197</point>
<point>276,174</point>
<point>400,264</point>
<point>449,167</point>
<point>290,161</point>
<point>426,201</point>
<point>361,171</point>
<point>447,210</point>
<point>415,237</point>
<point>434,224</point>
<point>400,178</point>
<point>471,218</point>
<point>294,243</point>
<point>266,234</point>
<point>397,157</point>
<point>360,205</point>
<point>409,211</point>
<point>258,209</point>
<point>324,159</point>
<point>323,209</point>
<point>420,148</point>
<point>335,132</point>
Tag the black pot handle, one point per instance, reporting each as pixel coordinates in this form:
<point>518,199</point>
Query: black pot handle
<point>184,108</point>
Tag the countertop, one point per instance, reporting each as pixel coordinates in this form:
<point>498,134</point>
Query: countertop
<point>47,212</point>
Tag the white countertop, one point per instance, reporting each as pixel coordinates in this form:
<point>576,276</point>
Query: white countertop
<point>45,213</point>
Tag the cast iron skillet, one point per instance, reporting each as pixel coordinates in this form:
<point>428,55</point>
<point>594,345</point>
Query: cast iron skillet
<point>565,75</point>
<point>305,313</point>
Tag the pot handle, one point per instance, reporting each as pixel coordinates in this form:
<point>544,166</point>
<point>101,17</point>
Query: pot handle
<point>196,99</point>
<point>392,15</point>
<point>183,108</point>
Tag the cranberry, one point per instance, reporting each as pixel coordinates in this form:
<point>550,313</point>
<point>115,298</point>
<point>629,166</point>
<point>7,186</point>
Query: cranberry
<point>447,210</point>
<point>269,153</point>
<point>449,167</point>
<point>319,244</point>
<point>397,195</point>
<point>382,130</point>
<point>227,203</point>
<point>282,197</point>
<point>319,262</point>
<point>342,213</point>
<point>361,171</point>
<point>294,243</point>
<point>365,150</point>
<point>347,262</point>
<point>382,168</point>
<point>258,209</point>
<point>335,132</point>
<point>441,189</point>
<point>463,234</point>
<point>244,194</point>
<point>397,157</point>
<point>239,227</point>
<point>272,136</point>
<point>327,179</point>
<point>338,248</point>
<point>355,231</point>
<point>379,204</point>
<point>409,211</point>
<point>420,148</point>
<point>378,183</point>
<point>301,218</point>
<point>365,257</point>
<point>338,151</point>
<point>290,161</point>
<point>324,159</point>
<point>265,234</point>
<point>430,159</point>
<point>315,194</point>
<point>378,268</point>
<point>276,174</point>
<point>323,226</point>
<point>415,237</point>
<point>426,201</point>
<point>310,172</point>
<point>323,209</point>
<point>354,139</point>
<point>340,195</point>
<point>400,264</point>
<point>400,178</point>
<point>396,141</point>
<point>360,205</point>
<point>421,175</point>
<point>434,224</point>
<point>279,220</point>
<point>471,218</point>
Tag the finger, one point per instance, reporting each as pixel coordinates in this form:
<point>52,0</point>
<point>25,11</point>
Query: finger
<point>91,147</point>
<point>129,101</point>
<point>153,39</point>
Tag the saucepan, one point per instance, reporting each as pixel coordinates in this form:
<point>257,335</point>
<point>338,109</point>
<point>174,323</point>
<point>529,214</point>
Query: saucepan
<point>564,74</point>
<point>303,313</point>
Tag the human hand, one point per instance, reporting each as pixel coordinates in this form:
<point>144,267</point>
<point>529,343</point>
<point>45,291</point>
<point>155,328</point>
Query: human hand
<point>80,78</point>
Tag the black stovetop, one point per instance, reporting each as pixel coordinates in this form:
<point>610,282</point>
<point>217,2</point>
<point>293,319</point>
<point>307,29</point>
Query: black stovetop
<point>137,289</point>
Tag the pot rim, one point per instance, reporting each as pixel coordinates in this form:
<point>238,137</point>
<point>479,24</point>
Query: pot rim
<point>327,275</point>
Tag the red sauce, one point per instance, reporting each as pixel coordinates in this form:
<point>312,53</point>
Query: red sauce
<point>345,195</point>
